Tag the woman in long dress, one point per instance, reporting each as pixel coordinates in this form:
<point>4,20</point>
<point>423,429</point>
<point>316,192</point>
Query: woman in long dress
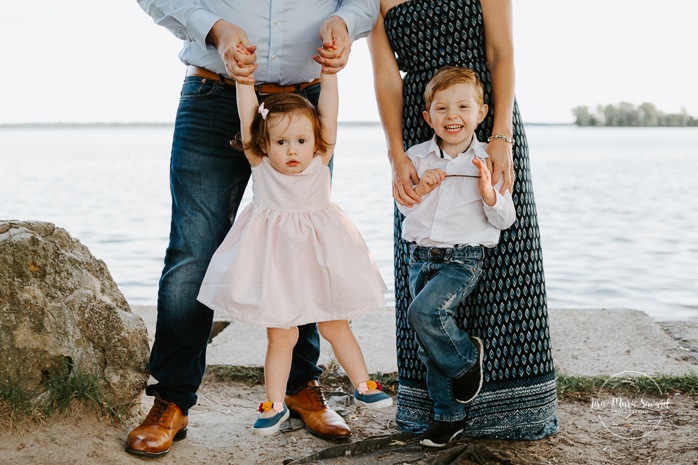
<point>508,311</point>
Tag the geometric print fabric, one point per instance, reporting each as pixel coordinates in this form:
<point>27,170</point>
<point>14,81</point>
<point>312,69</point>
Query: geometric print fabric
<point>508,310</point>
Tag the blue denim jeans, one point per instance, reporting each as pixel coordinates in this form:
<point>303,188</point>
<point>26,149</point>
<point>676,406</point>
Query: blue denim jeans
<point>440,279</point>
<point>207,181</point>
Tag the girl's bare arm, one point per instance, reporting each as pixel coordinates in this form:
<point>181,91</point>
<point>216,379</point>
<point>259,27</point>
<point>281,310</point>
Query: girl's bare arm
<point>248,106</point>
<point>328,108</point>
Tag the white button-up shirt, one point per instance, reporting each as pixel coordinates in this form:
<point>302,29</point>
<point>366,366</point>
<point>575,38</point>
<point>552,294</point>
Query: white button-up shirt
<point>286,33</point>
<point>454,213</point>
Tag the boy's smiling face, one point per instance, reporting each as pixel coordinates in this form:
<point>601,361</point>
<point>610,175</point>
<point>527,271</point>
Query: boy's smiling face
<point>454,114</point>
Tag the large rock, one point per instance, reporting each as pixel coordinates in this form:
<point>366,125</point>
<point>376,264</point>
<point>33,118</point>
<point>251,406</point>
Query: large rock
<point>61,312</point>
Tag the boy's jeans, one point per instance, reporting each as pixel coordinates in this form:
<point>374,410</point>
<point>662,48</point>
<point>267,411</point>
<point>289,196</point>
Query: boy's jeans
<point>440,278</point>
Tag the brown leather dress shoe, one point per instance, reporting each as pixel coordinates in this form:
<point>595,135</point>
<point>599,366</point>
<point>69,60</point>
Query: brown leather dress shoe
<point>165,423</point>
<point>320,420</point>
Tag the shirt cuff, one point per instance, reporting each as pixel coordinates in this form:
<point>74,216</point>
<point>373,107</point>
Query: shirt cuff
<point>503,213</point>
<point>199,24</point>
<point>497,204</point>
<point>359,18</point>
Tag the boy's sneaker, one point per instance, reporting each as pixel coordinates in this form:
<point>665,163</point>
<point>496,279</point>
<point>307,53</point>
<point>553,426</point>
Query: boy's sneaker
<point>468,386</point>
<point>373,401</point>
<point>267,426</point>
<point>440,433</point>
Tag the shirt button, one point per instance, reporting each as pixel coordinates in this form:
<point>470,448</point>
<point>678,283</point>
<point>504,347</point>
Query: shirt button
<point>273,57</point>
<point>276,22</point>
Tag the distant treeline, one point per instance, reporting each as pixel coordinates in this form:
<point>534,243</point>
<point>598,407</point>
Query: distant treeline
<point>627,114</point>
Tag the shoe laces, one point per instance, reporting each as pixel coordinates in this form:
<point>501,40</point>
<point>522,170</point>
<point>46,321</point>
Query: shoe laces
<point>316,392</point>
<point>160,406</point>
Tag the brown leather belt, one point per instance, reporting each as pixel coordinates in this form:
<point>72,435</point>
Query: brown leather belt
<point>262,89</point>
<point>206,74</point>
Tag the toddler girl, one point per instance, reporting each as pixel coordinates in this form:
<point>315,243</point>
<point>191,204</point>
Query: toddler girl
<point>292,256</point>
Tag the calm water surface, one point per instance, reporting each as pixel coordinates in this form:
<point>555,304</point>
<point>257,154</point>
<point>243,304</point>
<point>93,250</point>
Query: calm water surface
<point>617,207</point>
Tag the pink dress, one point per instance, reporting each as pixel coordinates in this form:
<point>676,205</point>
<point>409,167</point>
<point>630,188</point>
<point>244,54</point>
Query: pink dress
<point>292,256</point>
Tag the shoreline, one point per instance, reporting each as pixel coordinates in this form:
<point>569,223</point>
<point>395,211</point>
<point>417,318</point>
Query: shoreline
<point>588,342</point>
<point>136,124</point>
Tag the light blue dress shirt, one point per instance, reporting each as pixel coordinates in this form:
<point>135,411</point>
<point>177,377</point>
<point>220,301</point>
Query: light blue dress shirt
<point>286,33</point>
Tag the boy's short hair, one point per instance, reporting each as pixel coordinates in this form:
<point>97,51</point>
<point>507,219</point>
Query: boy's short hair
<point>449,76</point>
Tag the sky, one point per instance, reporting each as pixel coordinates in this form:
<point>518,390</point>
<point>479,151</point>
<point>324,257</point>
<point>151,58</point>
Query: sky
<point>99,61</point>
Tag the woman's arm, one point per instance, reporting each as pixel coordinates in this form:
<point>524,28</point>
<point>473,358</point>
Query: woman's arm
<point>388,88</point>
<point>328,108</point>
<point>499,47</point>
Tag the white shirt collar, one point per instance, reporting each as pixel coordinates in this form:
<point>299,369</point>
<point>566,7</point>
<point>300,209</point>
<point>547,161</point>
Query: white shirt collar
<point>475,146</point>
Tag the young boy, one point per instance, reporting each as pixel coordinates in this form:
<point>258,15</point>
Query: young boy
<point>460,215</point>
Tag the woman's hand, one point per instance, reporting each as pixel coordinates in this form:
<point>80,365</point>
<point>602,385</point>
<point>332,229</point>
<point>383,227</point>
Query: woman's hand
<point>404,177</point>
<point>501,163</point>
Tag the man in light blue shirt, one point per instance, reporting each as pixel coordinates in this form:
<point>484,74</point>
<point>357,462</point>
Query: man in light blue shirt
<point>291,42</point>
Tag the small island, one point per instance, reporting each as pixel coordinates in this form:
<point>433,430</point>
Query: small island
<point>626,114</point>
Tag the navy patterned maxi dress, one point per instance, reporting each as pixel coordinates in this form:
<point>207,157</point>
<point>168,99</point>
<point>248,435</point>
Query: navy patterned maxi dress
<point>509,308</point>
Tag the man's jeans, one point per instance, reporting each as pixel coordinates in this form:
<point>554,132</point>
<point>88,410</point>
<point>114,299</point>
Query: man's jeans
<point>207,181</point>
<point>440,279</point>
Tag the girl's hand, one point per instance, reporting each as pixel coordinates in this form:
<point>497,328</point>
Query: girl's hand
<point>245,54</point>
<point>324,54</point>
<point>429,181</point>
<point>404,177</point>
<point>484,184</point>
<point>501,163</point>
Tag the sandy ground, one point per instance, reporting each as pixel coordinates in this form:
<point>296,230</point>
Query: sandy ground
<point>220,433</point>
<point>585,342</point>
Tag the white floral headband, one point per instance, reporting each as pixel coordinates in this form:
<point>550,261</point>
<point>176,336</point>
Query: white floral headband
<point>263,111</point>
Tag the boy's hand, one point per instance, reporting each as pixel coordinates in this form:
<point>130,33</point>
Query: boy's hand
<point>484,184</point>
<point>429,181</point>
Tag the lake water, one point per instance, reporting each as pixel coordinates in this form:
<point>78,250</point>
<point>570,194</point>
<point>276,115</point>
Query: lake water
<point>617,207</point>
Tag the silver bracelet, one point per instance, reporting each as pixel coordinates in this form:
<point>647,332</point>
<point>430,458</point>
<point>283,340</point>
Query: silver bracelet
<point>509,140</point>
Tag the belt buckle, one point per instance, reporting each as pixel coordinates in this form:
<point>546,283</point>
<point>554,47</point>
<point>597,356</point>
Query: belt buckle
<point>258,89</point>
<point>436,252</point>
